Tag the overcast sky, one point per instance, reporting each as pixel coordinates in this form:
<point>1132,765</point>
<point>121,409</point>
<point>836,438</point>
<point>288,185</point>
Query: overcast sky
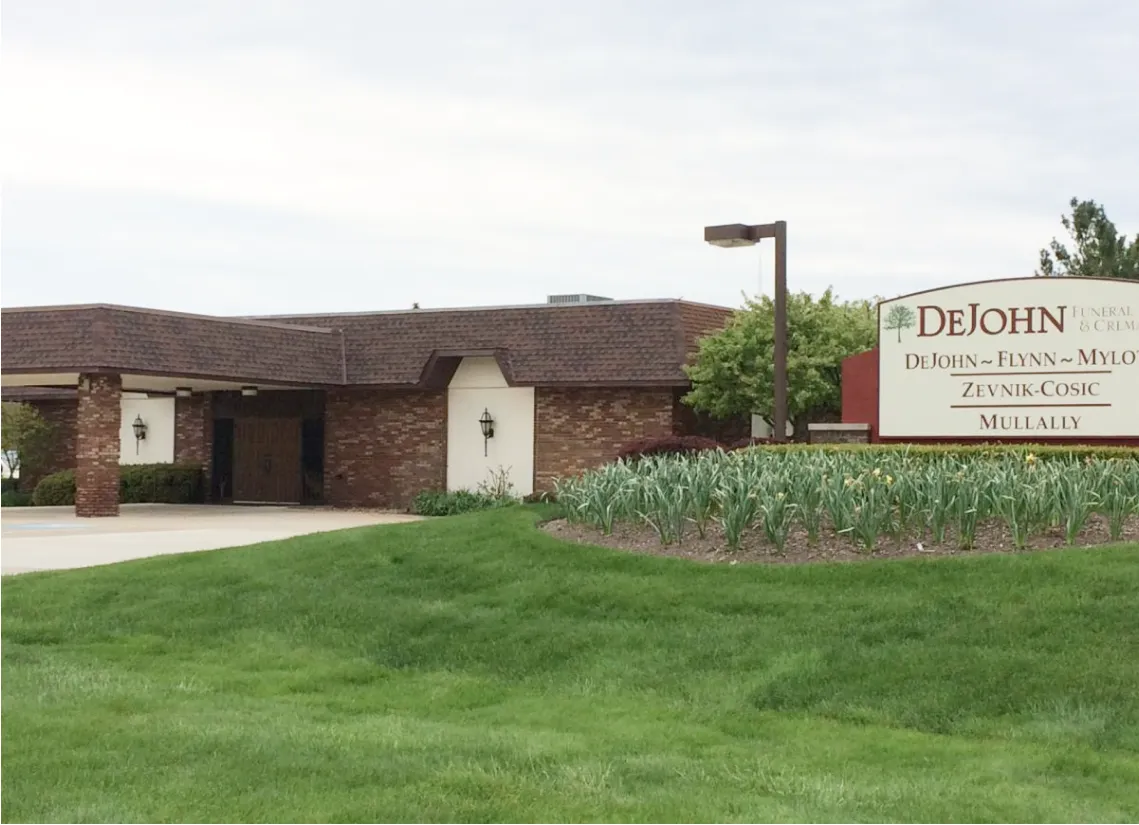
<point>272,156</point>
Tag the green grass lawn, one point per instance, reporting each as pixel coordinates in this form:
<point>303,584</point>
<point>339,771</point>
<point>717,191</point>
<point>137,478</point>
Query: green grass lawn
<point>475,669</point>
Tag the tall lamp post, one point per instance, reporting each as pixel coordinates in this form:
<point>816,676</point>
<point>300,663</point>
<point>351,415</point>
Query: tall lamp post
<point>738,234</point>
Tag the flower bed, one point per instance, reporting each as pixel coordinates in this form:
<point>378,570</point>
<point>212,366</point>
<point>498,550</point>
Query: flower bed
<point>833,502</point>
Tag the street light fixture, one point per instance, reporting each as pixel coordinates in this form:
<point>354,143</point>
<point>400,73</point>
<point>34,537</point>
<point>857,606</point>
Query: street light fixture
<point>737,234</point>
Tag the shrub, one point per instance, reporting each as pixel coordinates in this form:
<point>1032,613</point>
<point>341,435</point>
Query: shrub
<point>15,498</point>
<point>161,484</point>
<point>454,502</point>
<point>497,484</point>
<point>667,445</point>
<point>544,497</point>
<point>754,441</point>
<point>7,485</point>
<point>55,490</point>
<point>138,484</point>
<point>965,451</point>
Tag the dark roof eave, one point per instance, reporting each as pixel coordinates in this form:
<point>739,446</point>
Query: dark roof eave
<point>425,387</point>
<point>641,384</point>
<point>187,374</point>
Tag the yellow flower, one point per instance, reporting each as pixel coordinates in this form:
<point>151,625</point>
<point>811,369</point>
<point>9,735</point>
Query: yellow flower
<point>877,472</point>
<point>889,480</point>
<point>1030,458</point>
<point>779,497</point>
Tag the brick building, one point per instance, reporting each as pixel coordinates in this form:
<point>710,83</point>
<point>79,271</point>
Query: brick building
<point>363,409</point>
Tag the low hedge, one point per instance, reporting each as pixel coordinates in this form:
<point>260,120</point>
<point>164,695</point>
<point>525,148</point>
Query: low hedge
<point>138,484</point>
<point>1040,451</point>
<point>161,484</point>
<point>688,444</point>
<point>745,443</point>
<point>454,502</point>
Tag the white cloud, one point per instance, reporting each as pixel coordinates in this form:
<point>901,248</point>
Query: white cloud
<point>494,158</point>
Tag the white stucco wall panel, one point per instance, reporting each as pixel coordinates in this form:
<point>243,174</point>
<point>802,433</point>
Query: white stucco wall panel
<point>478,385</point>
<point>158,414</point>
<point>478,374</point>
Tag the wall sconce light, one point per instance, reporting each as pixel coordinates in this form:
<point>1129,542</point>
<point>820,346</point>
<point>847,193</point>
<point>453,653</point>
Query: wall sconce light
<point>487,425</point>
<point>139,427</point>
<point>183,392</point>
<point>248,391</point>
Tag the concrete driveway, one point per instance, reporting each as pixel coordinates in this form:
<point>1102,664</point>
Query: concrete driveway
<point>52,538</point>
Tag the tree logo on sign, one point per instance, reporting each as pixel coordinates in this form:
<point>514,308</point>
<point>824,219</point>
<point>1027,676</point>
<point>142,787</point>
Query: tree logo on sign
<point>899,317</point>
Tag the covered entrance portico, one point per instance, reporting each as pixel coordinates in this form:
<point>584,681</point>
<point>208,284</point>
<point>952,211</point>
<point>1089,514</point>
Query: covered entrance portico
<point>247,397</point>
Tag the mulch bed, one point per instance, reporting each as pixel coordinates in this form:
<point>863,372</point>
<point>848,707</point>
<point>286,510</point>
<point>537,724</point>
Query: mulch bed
<point>992,537</point>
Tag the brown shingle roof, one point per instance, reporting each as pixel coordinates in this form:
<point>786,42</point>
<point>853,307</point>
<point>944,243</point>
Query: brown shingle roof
<point>128,340</point>
<point>590,344</point>
<point>605,343</point>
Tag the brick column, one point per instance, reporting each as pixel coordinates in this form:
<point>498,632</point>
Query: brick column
<point>97,445</point>
<point>194,433</point>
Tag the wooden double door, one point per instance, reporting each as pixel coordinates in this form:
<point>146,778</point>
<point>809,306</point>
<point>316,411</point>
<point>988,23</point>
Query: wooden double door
<point>267,460</point>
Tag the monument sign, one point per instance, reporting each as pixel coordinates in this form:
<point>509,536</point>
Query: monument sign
<point>1025,358</point>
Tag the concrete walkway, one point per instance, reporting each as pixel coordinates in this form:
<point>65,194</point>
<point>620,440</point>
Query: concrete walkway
<point>52,538</point>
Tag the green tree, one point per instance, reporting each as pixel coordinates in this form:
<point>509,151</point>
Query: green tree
<point>733,372</point>
<point>899,317</point>
<point>1098,249</point>
<point>26,438</point>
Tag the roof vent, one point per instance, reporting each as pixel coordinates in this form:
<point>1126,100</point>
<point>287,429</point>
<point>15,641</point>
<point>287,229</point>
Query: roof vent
<point>578,298</point>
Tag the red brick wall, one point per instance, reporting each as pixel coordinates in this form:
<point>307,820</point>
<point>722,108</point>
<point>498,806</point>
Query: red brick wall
<point>686,421</point>
<point>194,431</point>
<point>97,445</point>
<point>860,389</point>
<point>381,447</point>
<point>62,415</point>
<point>580,428</point>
